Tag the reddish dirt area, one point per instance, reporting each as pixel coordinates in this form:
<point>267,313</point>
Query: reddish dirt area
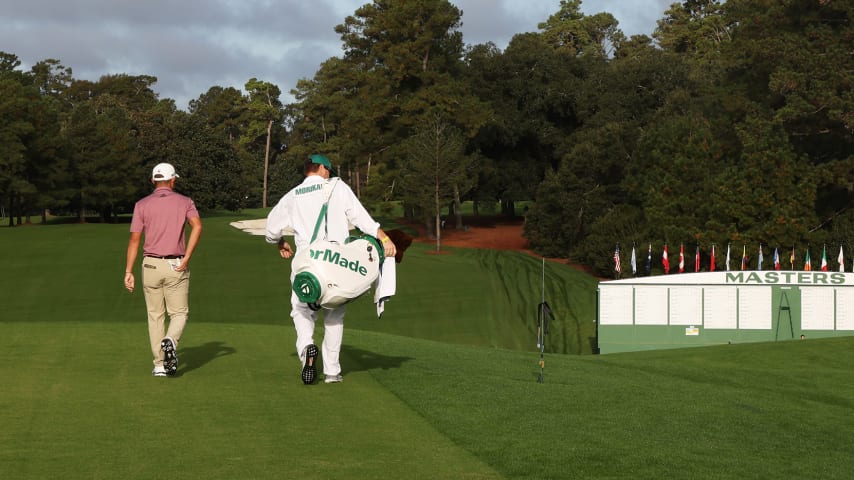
<point>498,234</point>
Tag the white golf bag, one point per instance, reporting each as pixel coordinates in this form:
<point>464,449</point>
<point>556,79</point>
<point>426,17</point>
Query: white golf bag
<point>329,274</point>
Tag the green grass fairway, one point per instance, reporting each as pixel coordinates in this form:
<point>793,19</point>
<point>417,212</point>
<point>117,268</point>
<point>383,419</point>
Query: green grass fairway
<point>442,387</point>
<point>79,402</point>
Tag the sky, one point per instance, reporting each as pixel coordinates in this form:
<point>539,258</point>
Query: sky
<point>193,45</point>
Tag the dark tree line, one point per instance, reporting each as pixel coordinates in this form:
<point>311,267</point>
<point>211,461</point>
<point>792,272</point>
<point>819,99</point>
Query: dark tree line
<point>731,123</point>
<point>87,148</point>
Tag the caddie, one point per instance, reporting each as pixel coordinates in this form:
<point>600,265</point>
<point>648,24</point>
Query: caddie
<point>299,213</point>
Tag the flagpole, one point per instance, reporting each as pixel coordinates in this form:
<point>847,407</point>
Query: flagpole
<point>649,261</point>
<point>712,260</point>
<point>808,260</point>
<point>634,260</point>
<point>728,245</point>
<point>792,258</point>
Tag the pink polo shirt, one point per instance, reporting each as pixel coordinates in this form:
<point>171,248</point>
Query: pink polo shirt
<point>161,217</point>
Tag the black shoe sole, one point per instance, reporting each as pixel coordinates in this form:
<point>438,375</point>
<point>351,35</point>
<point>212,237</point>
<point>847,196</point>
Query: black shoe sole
<point>309,371</point>
<point>170,356</point>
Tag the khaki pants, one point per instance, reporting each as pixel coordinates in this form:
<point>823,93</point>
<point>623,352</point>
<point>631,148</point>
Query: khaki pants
<point>166,291</point>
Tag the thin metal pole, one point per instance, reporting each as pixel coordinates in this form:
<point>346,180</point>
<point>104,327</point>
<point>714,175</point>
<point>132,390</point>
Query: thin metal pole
<point>541,324</point>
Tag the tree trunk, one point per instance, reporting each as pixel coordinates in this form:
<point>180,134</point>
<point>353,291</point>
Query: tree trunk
<point>11,209</point>
<point>81,210</point>
<point>267,161</point>
<point>438,232</point>
<point>21,205</point>
<point>458,211</point>
<point>508,208</point>
<point>436,203</point>
<point>368,173</point>
<point>358,188</point>
<point>428,226</point>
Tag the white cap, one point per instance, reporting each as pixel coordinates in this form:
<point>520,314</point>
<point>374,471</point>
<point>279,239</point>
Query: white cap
<point>163,172</point>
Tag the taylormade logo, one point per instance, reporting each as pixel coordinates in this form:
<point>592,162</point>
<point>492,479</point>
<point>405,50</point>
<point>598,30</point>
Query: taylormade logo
<point>335,258</point>
<point>309,189</point>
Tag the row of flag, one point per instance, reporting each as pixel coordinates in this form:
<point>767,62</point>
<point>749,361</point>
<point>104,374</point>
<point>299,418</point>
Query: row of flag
<point>776,262</point>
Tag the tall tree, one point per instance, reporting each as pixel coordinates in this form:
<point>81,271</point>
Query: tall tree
<point>612,104</point>
<point>266,110</point>
<point>210,167</point>
<point>407,56</point>
<point>52,77</point>
<point>698,29</point>
<point>14,127</point>
<point>531,89</point>
<point>342,112</point>
<point>223,110</point>
<point>793,60</point>
<point>570,30</point>
<point>103,156</point>
<point>769,195</point>
<point>29,139</point>
<point>436,168</point>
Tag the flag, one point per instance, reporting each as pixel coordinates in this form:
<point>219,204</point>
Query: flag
<point>697,259</point>
<point>776,259</point>
<point>759,259</point>
<point>712,261</point>
<point>649,261</point>
<point>792,258</point>
<point>681,257</point>
<point>617,266</point>
<point>727,257</point>
<point>744,258</point>
<point>841,260</point>
<point>824,258</point>
<point>664,261</point>
<point>634,261</point>
<point>807,263</point>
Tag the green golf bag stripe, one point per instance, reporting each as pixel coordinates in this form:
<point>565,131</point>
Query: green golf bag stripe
<point>319,221</point>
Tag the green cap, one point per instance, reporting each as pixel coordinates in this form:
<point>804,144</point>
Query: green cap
<point>322,160</point>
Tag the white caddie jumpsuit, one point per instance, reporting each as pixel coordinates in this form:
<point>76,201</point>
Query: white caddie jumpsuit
<point>297,211</point>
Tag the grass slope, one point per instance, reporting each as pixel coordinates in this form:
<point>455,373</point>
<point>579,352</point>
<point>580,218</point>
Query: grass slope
<point>485,297</point>
<point>443,386</point>
<point>774,410</point>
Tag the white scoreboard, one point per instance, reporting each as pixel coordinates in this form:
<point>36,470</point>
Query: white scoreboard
<point>723,307</point>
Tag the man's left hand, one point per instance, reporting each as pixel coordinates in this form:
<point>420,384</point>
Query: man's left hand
<point>285,249</point>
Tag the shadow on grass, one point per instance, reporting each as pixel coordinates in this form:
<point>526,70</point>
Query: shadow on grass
<point>192,358</point>
<point>363,360</point>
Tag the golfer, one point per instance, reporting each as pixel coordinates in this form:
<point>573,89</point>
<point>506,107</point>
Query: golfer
<point>161,217</point>
<point>298,212</point>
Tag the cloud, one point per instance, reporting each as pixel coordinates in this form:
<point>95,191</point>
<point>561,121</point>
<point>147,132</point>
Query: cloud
<point>192,45</point>
<point>636,17</point>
